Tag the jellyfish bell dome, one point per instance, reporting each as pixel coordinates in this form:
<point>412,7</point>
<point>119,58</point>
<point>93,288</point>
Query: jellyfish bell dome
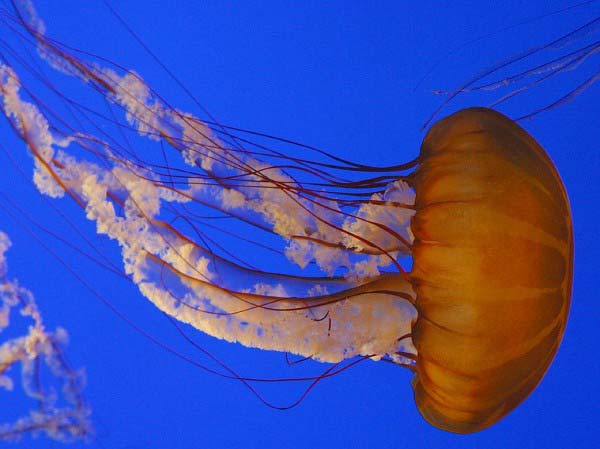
<point>493,265</point>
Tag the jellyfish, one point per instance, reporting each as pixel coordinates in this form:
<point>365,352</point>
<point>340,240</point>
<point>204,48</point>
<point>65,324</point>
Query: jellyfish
<point>481,212</point>
<point>61,411</point>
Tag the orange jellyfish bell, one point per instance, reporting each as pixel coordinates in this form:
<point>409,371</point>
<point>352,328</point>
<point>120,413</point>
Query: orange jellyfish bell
<point>493,264</point>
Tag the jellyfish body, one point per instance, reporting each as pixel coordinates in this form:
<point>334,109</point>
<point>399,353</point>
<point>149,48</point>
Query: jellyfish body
<point>493,262</point>
<point>492,249</point>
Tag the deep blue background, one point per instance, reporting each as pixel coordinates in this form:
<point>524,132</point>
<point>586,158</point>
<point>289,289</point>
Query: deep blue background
<point>343,76</point>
